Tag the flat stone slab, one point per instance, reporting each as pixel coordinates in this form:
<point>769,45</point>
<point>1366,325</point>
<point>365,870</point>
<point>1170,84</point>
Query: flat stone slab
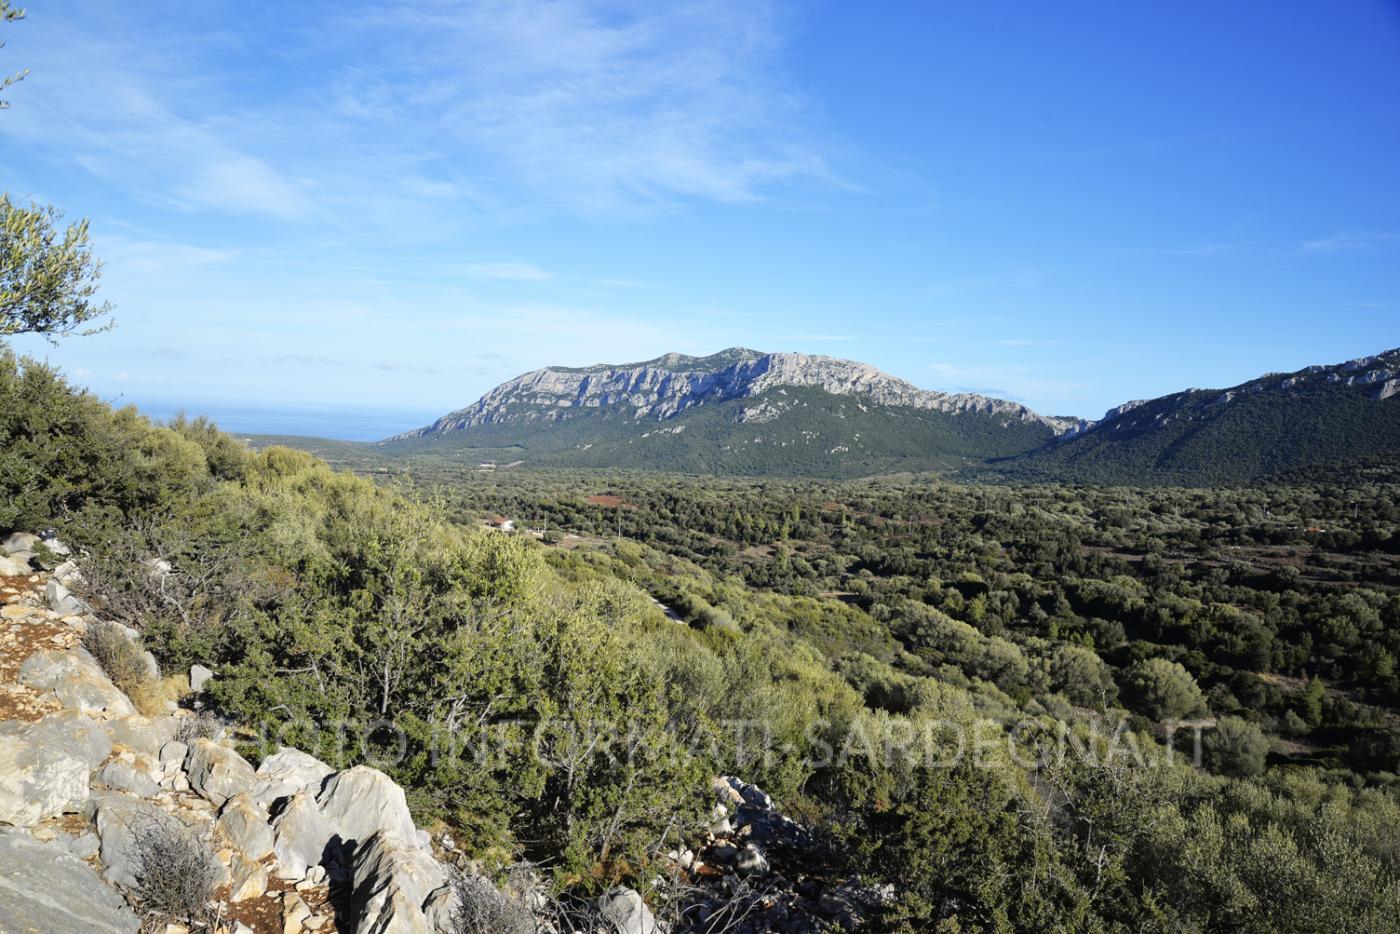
<point>44,889</point>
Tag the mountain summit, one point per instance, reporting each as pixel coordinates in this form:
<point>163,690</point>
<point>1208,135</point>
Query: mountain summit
<point>669,385</point>
<point>739,410</point>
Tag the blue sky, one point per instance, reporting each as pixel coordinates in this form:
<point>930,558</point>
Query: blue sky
<point>393,207</point>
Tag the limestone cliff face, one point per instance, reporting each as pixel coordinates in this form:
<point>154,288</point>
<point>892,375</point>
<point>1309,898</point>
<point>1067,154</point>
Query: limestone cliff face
<point>663,388</point>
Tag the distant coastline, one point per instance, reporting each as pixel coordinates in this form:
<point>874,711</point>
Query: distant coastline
<point>308,420</point>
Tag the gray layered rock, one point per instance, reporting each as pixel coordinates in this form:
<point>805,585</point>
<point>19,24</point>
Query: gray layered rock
<point>61,601</point>
<point>14,566</point>
<point>84,846</point>
<point>441,906</point>
<point>45,889</point>
<point>392,879</point>
<point>750,861</point>
<point>199,677</point>
<point>77,681</point>
<point>302,838</point>
<point>217,772</point>
<point>39,779</point>
<point>173,751</point>
<point>331,827</point>
<point>361,802</point>
<point>68,731</point>
<point>243,824</point>
<point>146,735</point>
<point>247,878</point>
<point>288,772</point>
<point>626,912</point>
<point>759,818</point>
<point>120,776</point>
<point>67,573</point>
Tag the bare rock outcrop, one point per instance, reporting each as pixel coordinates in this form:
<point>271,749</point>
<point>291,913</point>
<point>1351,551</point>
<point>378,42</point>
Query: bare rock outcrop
<point>217,772</point>
<point>288,772</point>
<point>302,837</point>
<point>38,779</point>
<point>43,887</point>
<point>362,802</point>
<point>392,879</point>
<point>77,682</point>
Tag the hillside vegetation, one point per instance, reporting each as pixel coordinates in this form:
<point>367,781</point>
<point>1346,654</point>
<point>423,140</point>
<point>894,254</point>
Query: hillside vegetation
<point>895,664</point>
<point>1323,417</point>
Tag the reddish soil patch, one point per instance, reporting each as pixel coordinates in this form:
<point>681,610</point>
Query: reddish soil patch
<point>19,639</point>
<point>264,914</point>
<point>610,501</point>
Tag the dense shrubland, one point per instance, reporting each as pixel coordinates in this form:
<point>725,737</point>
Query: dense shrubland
<point>535,700</point>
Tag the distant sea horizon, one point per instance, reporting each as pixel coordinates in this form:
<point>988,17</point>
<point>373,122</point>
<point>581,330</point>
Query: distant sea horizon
<point>261,418</point>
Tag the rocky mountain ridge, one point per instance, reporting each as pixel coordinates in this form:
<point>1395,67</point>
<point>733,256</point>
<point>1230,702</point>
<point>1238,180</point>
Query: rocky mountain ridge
<point>1377,376</point>
<point>662,388</point>
<point>1327,417</point>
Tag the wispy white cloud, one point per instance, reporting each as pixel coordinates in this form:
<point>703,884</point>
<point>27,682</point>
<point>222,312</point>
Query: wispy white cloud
<point>450,112</point>
<point>597,105</point>
<point>1348,240</point>
<point>111,109</point>
<point>511,271</point>
<point>240,183</point>
<point>156,255</point>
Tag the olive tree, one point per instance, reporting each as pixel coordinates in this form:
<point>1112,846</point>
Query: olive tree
<point>48,275</point>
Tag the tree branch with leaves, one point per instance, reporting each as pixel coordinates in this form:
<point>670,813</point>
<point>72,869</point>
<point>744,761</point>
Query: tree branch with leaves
<point>9,14</point>
<point>48,275</point>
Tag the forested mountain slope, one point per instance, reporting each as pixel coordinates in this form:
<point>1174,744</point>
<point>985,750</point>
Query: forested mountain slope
<point>1320,416</point>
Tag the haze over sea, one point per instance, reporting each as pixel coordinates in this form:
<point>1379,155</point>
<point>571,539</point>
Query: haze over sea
<point>341,424</point>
